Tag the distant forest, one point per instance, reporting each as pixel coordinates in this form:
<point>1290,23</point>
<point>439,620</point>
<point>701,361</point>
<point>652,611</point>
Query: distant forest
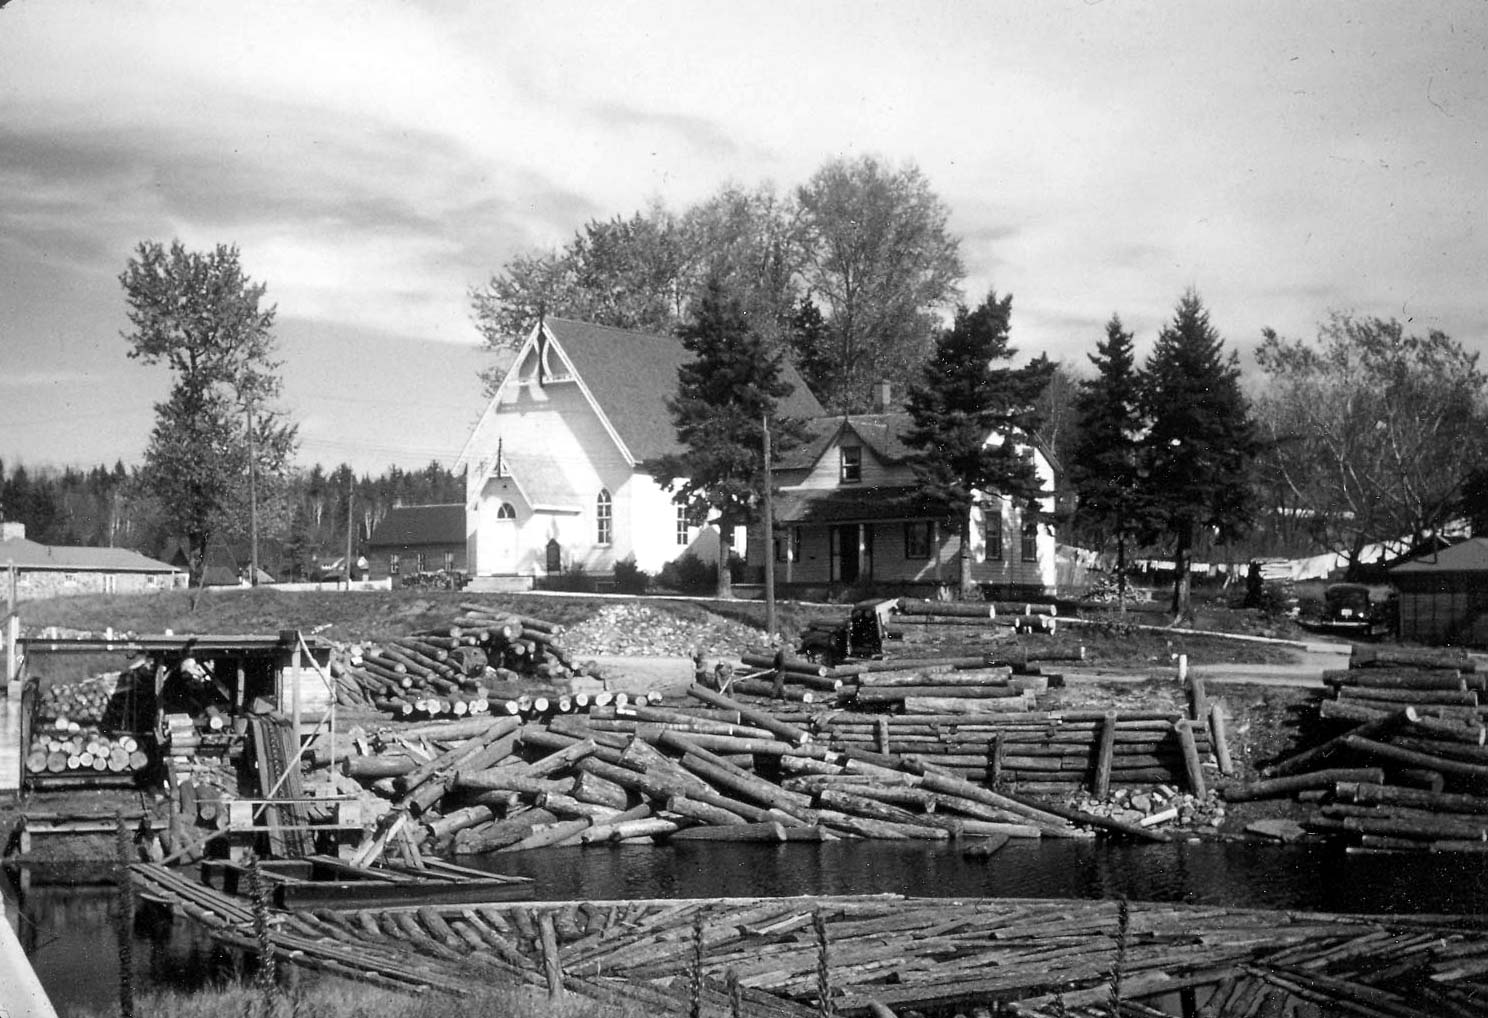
<point>307,519</point>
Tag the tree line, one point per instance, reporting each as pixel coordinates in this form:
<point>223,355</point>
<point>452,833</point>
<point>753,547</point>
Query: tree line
<point>1369,432</point>
<point>115,507</point>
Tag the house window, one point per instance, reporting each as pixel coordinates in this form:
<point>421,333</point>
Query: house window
<point>795,552</point>
<point>918,536</point>
<point>683,527</point>
<point>506,512</point>
<point>852,463</point>
<point>604,517</point>
<point>1030,542</point>
<point>992,530</point>
<point>449,561</point>
<point>418,561</point>
<point>393,564</point>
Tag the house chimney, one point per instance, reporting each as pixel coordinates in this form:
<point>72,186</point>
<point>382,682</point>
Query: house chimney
<point>882,393</point>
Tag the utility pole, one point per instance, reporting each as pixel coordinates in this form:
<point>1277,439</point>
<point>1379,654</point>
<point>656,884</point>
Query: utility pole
<point>252,501</point>
<point>350,525</point>
<point>769,534</point>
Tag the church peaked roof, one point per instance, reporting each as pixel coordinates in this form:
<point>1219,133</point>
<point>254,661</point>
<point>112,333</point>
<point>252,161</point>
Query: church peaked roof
<point>631,375</point>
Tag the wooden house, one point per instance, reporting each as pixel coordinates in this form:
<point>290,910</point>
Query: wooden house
<point>413,539</point>
<point>1444,595</point>
<point>849,513</point>
<point>558,466</point>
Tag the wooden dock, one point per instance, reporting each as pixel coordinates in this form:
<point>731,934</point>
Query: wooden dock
<point>1035,958</point>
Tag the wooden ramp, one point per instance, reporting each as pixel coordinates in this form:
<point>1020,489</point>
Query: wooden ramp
<point>1035,958</point>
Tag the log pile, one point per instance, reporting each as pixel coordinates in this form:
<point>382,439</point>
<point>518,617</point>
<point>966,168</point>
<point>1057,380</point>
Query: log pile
<point>84,749</point>
<point>721,770</point>
<point>480,662</point>
<point>1404,766</point>
<point>975,716</point>
<point>721,767</point>
<point>919,621</point>
<point>96,725</point>
<point>112,700</point>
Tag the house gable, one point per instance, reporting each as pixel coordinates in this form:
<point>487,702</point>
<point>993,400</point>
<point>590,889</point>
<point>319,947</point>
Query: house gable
<point>872,443</point>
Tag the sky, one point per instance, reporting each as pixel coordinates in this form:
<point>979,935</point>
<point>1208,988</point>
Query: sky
<point>374,161</point>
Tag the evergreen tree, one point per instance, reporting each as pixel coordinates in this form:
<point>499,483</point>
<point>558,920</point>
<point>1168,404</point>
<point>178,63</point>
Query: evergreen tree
<point>1106,467</point>
<point>723,397</point>
<point>962,399</point>
<point>1201,441</point>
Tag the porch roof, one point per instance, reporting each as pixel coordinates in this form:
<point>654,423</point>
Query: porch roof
<point>856,505</point>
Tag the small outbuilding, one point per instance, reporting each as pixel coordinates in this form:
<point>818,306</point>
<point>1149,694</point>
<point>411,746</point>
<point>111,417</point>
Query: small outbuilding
<point>1444,595</point>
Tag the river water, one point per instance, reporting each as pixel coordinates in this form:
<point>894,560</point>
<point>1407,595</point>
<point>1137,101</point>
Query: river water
<point>68,927</point>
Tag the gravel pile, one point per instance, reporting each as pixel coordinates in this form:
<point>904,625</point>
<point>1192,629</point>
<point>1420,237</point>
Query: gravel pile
<point>643,631</point>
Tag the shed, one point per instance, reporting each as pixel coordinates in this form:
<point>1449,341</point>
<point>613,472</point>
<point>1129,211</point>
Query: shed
<point>1444,595</point>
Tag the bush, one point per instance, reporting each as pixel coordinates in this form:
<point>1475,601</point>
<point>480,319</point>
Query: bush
<point>574,580</point>
<point>630,578</point>
<point>691,575</point>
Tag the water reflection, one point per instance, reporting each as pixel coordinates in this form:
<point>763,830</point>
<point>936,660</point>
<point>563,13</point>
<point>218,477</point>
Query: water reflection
<point>1236,875</point>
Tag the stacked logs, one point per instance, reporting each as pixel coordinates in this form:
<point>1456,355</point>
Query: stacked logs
<point>111,699</point>
<point>1405,767</point>
<point>723,770</point>
<point>73,748</point>
<point>1037,752</point>
<point>920,621</point>
<point>482,661</point>
<point>91,726</point>
<point>974,717</point>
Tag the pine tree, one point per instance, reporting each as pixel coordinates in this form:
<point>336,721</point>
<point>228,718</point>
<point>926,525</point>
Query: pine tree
<point>1106,469</point>
<point>723,397</point>
<point>1201,443</point>
<point>959,401</point>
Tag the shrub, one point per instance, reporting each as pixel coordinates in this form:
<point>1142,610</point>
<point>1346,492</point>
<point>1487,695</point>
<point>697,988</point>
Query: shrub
<point>574,580</point>
<point>630,578</point>
<point>691,575</point>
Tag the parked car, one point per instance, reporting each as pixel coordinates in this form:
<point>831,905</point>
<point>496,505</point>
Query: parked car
<point>1363,610</point>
